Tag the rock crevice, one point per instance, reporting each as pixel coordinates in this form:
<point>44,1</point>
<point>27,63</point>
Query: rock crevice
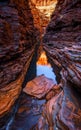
<point>63,47</point>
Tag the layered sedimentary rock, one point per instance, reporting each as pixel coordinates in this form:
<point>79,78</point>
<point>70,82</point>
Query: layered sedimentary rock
<point>17,44</point>
<point>41,10</point>
<point>36,18</point>
<point>40,20</point>
<point>63,38</point>
<point>47,8</point>
<point>43,2</point>
<point>28,113</point>
<point>62,42</point>
<point>62,111</point>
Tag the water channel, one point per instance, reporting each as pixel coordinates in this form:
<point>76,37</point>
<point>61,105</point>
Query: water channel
<point>30,108</point>
<point>44,67</point>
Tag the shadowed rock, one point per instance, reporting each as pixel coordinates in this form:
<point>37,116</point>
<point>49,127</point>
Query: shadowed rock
<point>28,113</point>
<point>62,112</point>
<point>17,44</point>
<point>62,42</point>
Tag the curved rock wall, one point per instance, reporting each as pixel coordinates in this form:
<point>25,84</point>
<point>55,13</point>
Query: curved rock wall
<point>62,42</point>
<point>41,10</point>
<point>36,18</point>
<point>63,37</point>
<point>17,44</point>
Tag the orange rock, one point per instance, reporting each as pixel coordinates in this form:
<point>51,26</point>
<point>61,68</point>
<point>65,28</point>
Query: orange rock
<point>17,43</point>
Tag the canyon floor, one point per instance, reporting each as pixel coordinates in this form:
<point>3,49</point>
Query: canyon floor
<point>40,65</point>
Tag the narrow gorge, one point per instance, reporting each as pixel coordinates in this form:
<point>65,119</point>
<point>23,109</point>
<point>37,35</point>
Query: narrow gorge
<point>40,64</point>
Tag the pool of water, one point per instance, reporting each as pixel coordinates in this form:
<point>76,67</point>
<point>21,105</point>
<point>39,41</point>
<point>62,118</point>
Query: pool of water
<point>28,114</point>
<point>47,71</point>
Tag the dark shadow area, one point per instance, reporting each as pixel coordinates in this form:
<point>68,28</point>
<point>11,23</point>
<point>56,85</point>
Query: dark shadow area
<point>31,72</point>
<point>2,2</point>
<point>28,113</point>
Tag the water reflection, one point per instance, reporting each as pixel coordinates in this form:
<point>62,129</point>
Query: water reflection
<point>43,67</point>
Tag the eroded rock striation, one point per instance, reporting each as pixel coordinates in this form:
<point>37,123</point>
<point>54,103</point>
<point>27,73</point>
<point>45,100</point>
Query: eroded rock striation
<point>36,18</point>
<point>43,2</point>
<point>63,37</point>
<point>62,42</point>
<point>42,10</point>
<point>40,20</point>
<point>17,45</point>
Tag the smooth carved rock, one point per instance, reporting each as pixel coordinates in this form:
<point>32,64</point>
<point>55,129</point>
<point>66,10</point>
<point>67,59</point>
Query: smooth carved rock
<point>54,91</point>
<point>39,86</point>
<point>17,43</point>
<point>28,113</point>
<point>62,42</point>
<point>62,39</point>
<point>62,112</point>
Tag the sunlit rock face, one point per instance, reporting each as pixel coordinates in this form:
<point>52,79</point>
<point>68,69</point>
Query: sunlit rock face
<point>45,8</point>
<point>36,18</point>
<point>17,42</point>
<point>43,2</point>
<point>62,43</point>
<point>43,59</point>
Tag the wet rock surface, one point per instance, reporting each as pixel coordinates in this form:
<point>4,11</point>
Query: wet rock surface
<point>31,106</point>
<point>17,44</point>
<point>28,113</point>
<point>62,112</point>
<point>60,108</point>
<point>63,47</point>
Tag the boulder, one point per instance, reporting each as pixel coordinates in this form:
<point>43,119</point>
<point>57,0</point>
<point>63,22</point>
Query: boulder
<point>39,86</point>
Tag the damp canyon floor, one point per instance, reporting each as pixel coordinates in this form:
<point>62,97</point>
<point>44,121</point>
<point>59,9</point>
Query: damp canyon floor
<point>30,108</point>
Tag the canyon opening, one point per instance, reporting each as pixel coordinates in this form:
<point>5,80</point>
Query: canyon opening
<point>40,65</point>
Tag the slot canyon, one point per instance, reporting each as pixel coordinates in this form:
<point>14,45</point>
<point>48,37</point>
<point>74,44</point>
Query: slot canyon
<point>40,64</point>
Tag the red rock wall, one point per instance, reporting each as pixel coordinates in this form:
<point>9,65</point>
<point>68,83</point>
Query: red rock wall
<point>36,18</point>
<point>63,38</point>
<point>17,43</point>
<point>43,2</point>
<point>62,42</point>
<point>40,20</point>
